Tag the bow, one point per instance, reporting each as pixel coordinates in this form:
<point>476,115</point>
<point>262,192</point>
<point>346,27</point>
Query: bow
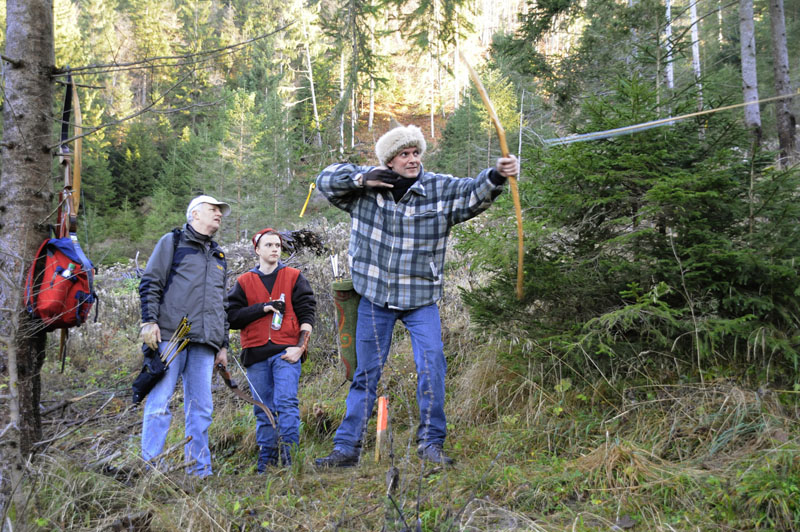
<point>70,195</point>
<point>230,383</point>
<point>71,160</point>
<point>512,180</point>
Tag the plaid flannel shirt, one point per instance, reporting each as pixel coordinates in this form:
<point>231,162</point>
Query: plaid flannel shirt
<point>397,250</point>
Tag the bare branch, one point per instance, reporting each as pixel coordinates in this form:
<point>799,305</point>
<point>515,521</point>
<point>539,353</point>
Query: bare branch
<point>39,444</point>
<point>67,402</point>
<point>124,119</point>
<point>81,85</point>
<point>187,108</point>
<point>14,62</point>
<point>7,427</point>
<point>149,62</point>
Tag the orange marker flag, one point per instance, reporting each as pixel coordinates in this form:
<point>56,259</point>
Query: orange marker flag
<point>383,415</point>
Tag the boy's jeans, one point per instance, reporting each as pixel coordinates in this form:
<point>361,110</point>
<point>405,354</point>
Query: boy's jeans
<point>274,382</point>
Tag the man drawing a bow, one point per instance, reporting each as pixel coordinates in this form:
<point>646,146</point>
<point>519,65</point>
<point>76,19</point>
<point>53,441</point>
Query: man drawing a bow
<point>401,217</point>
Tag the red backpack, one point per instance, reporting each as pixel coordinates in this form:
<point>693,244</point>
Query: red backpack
<point>63,293</point>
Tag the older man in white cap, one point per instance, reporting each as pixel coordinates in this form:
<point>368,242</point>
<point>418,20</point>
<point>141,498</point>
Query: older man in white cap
<point>185,276</point>
<point>401,218</point>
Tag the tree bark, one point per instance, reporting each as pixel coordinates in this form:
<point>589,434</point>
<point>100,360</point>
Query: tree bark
<point>344,106</point>
<point>371,84</point>
<point>698,74</point>
<point>27,195</point>
<point>433,94</point>
<point>696,67</point>
<point>780,63</point>
<point>669,67</point>
<point>317,135</point>
<point>752,114</point>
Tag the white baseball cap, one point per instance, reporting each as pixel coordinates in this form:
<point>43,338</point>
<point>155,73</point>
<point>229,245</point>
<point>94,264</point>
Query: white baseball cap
<point>224,207</point>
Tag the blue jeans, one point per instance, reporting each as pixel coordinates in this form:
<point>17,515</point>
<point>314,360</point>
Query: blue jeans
<point>274,382</point>
<point>194,365</point>
<point>373,340</point>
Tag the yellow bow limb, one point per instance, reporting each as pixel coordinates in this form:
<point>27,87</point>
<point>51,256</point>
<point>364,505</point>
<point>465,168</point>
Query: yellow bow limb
<point>512,180</point>
<point>311,188</point>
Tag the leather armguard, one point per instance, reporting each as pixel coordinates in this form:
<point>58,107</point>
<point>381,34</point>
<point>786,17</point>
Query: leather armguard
<point>302,343</point>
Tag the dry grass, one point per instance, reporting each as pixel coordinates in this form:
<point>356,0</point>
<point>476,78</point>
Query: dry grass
<point>620,466</point>
<point>535,450</point>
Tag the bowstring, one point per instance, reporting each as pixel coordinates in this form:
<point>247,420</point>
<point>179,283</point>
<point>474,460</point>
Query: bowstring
<point>252,388</point>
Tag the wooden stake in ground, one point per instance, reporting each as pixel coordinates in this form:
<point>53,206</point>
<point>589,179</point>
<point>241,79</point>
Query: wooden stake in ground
<point>383,415</point>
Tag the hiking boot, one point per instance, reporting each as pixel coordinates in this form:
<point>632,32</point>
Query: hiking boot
<point>262,467</point>
<point>434,453</point>
<point>267,457</point>
<point>337,458</point>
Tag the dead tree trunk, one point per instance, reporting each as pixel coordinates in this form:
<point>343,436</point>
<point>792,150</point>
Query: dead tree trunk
<point>27,195</point>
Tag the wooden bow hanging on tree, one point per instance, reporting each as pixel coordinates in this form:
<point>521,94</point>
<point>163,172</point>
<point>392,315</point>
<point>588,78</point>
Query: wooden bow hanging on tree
<point>70,196</point>
<point>512,180</point>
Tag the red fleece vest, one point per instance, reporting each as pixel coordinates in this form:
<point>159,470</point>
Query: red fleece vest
<point>259,332</point>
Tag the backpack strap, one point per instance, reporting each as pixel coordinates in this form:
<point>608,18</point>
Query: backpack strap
<point>176,238</point>
<point>30,300</point>
<point>86,264</point>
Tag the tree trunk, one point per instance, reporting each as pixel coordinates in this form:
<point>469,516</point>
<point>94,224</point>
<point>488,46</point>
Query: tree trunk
<point>455,73</point>
<point>344,106</point>
<point>752,114</point>
<point>371,85</point>
<point>696,56</point>
<point>521,111</point>
<point>780,64</point>
<point>353,74</point>
<point>353,118</point>
<point>668,68</point>
<point>317,135</point>
<point>27,194</point>
<point>433,95</point>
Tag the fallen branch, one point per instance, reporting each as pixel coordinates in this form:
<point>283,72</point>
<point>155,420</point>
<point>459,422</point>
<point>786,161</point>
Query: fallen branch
<point>172,469</point>
<point>67,433</point>
<point>66,403</point>
<point>169,451</point>
<point>103,461</point>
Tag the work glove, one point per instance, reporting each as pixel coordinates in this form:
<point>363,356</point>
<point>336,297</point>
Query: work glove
<point>278,305</point>
<point>151,335</point>
<point>384,175</point>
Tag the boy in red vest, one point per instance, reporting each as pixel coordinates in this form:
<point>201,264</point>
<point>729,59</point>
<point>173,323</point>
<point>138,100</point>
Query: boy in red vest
<point>274,306</point>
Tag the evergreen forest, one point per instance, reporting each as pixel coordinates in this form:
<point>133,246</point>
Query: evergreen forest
<point>646,376</point>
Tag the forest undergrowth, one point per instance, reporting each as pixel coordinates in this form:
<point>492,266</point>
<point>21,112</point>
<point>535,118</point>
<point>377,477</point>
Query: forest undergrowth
<point>536,447</point>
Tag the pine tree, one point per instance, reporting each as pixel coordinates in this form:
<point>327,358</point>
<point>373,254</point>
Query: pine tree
<point>646,243</point>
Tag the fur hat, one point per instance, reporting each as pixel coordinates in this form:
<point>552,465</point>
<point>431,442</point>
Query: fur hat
<point>396,140</point>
